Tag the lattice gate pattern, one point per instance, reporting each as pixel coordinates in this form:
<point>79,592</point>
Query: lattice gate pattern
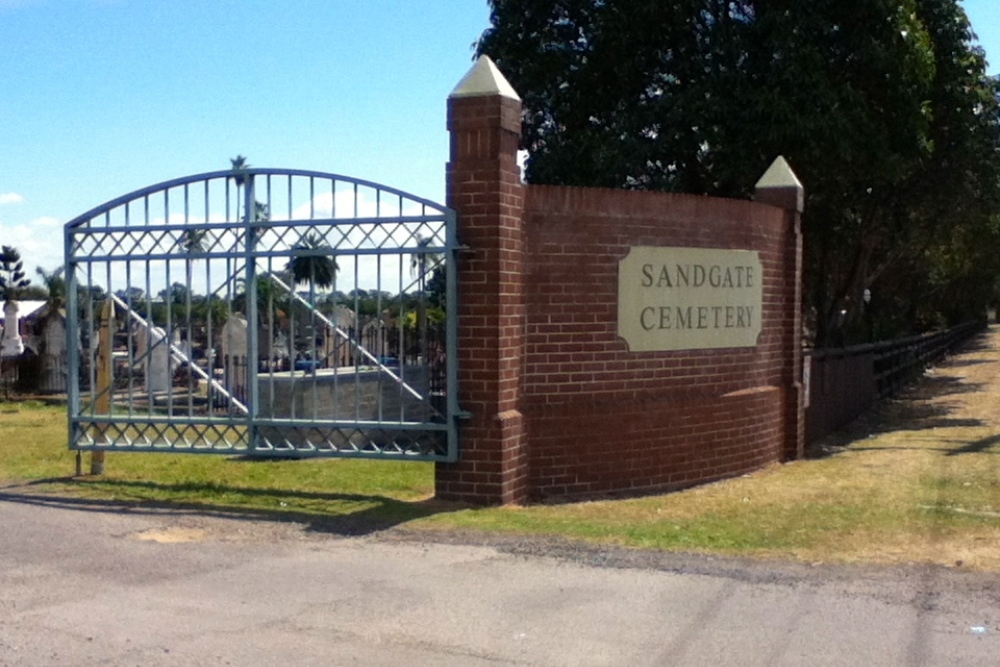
<point>264,312</point>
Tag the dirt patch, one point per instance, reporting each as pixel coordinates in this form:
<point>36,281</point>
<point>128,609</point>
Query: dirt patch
<point>172,535</point>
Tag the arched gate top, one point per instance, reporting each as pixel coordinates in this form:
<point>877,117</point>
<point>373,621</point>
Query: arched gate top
<point>268,185</point>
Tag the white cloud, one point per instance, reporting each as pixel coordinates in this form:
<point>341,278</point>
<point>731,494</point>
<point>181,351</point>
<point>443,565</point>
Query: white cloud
<point>10,198</point>
<point>40,242</point>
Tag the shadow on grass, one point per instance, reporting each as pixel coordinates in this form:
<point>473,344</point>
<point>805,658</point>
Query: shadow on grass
<point>978,447</point>
<point>938,385</point>
<point>890,416</point>
<point>376,513</point>
<point>929,403</point>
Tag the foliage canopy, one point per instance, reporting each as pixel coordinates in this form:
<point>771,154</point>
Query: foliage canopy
<point>882,107</point>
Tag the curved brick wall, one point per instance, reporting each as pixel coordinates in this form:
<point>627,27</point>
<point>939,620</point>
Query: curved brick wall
<point>600,418</point>
<point>555,403</point>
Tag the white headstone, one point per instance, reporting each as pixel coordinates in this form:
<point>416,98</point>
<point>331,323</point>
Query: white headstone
<point>233,341</point>
<point>11,344</point>
<point>155,352</point>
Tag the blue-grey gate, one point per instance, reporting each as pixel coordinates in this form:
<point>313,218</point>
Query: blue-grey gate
<point>263,312</point>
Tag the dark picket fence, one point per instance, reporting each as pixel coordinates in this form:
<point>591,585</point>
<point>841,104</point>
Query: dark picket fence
<point>842,383</point>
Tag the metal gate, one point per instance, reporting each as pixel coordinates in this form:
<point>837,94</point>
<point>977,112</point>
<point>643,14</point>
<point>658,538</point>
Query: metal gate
<point>263,312</point>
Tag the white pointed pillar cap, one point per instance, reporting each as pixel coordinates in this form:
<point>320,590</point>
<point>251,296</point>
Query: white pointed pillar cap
<point>781,187</point>
<point>484,80</point>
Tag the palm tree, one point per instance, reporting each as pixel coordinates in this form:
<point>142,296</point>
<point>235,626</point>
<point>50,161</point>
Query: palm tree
<point>312,263</point>
<point>193,240</point>
<point>239,169</point>
<point>422,264</point>
<point>239,174</point>
<point>55,285</point>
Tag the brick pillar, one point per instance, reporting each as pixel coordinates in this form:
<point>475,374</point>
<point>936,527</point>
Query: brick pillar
<point>484,188</point>
<point>780,187</point>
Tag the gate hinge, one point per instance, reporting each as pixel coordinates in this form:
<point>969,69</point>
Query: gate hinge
<point>464,415</point>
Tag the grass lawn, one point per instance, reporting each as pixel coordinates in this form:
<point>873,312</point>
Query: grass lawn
<point>921,492</point>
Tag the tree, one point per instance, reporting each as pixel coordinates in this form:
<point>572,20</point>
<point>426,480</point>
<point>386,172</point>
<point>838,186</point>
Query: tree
<point>882,107</point>
<point>55,287</point>
<point>424,265</point>
<point>193,240</point>
<point>177,294</point>
<point>12,276</point>
<point>238,170</point>
<point>312,263</point>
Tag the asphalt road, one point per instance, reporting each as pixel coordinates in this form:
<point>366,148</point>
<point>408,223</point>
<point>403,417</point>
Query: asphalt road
<point>86,587</point>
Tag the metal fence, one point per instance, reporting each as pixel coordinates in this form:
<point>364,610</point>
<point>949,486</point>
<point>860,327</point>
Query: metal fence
<point>266,312</point>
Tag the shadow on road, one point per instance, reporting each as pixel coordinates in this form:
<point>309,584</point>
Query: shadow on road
<point>357,515</point>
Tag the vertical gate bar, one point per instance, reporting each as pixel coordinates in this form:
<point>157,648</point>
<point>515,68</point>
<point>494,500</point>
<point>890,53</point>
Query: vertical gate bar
<point>169,333</point>
<point>270,336</point>
<point>209,339</point>
<point>130,346</point>
<point>167,337</point>
<point>128,321</point>
<point>292,305</point>
<point>312,326</point>
<point>270,312</point>
<point>105,380</point>
<point>228,376</point>
<point>357,357</point>
<point>107,282</point>
<point>91,339</point>
<point>150,325</point>
<point>209,296</point>
<point>250,250</point>
<point>400,328</point>
<point>379,346</point>
<point>73,334</point>
<point>188,349</point>
<point>400,386</point>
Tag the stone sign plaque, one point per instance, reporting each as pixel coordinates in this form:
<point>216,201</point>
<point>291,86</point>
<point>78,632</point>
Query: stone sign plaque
<point>689,298</point>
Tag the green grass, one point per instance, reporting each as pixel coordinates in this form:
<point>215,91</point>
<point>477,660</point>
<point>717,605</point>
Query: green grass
<point>904,496</point>
<point>33,450</point>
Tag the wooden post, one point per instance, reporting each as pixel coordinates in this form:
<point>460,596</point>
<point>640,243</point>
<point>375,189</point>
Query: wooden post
<point>102,403</point>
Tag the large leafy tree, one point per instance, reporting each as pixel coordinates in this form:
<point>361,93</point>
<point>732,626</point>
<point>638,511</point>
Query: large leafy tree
<point>882,107</point>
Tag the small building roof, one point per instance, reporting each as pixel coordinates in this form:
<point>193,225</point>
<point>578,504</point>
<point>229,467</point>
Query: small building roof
<point>25,309</point>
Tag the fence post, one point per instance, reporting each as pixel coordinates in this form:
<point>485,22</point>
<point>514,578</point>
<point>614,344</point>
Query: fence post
<point>102,402</point>
<point>780,187</point>
<point>485,190</point>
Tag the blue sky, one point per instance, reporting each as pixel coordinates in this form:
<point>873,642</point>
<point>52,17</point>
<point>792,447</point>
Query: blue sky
<point>101,97</point>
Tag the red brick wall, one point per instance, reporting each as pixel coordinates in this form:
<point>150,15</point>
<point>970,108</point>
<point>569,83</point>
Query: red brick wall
<point>599,418</point>
<point>557,404</point>
<point>484,187</point>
